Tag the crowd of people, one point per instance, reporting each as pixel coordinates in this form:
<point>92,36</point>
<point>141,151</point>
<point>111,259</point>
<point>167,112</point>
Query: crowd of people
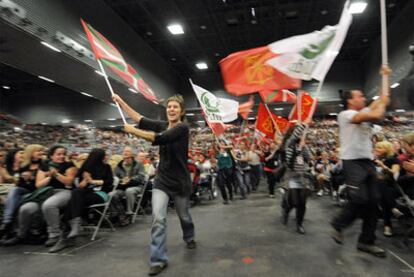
<point>70,168</point>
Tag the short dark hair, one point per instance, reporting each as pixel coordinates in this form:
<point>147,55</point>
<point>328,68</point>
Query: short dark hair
<point>180,100</point>
<point>345,96</point>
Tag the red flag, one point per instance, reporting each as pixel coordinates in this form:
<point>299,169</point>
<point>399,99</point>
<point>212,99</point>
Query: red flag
<point>306,105</point>
<point>246,108</point>
<point>246,72</point>
<point>283,95</point>
<point>282,123</point>
<point>264,122</point>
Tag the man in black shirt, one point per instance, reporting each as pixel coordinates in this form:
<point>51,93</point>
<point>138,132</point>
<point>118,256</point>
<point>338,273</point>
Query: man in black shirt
<point>172,179</point>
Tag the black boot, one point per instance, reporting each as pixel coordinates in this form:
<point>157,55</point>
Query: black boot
<point>5,229</point>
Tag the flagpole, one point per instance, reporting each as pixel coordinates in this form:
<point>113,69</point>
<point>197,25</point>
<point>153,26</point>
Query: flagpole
<point>273,120</point>
<point>299,106</point>
<point>384,45</point>
<point>111,90</point>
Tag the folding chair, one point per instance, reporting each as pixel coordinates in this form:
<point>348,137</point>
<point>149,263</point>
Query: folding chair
<point>140,196</point>
<point>103,214</point>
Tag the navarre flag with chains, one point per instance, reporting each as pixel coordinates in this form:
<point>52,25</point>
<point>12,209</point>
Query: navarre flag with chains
<point>303,107</point>
<point>246,72</point>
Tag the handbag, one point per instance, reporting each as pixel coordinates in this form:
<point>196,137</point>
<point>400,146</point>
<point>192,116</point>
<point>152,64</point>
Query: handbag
<point>38,196</point>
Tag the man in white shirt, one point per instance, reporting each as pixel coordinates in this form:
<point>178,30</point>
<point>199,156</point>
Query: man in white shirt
<point>359,168</point>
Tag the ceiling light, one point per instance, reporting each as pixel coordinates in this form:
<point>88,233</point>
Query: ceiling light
<point>203,27</point>
<point>6,87</point>
<point>357,7</point>
<point>341,105</point>
<point>86,94</point>
<point>112,126</point>
<point>46,79</point>
<point>201,121</point>
<point>175,29</point>
<point>88,120</point>
<point>400,111</point>
<point>375,97</point>
<point>324,12</point>
<point>132,90</point>
<point>253,12</point>
<point>100,73</point>
<point>189,114</point>
<point>217,54</point>
<point>251,118</point>
<point>278,109</point>
<point>64,121</point>
<point>50,46</point>
<point>333,114</point>
<point>111,119</point>
<point>395,85</point>
<point>201,65</point>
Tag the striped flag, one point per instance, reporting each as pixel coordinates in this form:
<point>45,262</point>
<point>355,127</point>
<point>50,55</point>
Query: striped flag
<point>107,53</point>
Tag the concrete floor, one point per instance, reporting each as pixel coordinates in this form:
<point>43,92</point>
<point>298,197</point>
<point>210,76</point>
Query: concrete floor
<point>244,238</point>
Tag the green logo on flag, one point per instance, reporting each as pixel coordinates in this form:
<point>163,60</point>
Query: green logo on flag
<point>210,107</point>
<point>312,51</point>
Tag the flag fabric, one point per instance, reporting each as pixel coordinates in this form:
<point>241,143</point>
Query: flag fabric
<point>246,108</point>
<point>303,108</point>
<point>264,122</point>
<point>112,58</point>
<point>216,110</point>
<point>246,72</point>
<point>311,55</point>
<point>283,95</point>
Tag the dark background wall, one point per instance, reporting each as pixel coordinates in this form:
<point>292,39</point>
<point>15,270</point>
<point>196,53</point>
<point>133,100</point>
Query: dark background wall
<point>400,36</point>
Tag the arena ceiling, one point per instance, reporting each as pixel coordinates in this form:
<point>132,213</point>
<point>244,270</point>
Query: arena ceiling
<point>213,29</point>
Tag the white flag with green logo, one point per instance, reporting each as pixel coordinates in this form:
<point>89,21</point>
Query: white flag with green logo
<point>216,109</point>
<point>311,55</point>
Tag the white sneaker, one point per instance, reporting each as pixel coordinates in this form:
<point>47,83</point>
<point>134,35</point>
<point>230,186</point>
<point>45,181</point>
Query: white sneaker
<point>387,231</point>
<point>319,193</point>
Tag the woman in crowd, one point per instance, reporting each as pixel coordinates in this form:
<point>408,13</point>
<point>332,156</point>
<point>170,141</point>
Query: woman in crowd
<point>271,166</point>
<point>58,174</point>
<point>172,178</point>
<point>10,174</point>
<point>254,162</point>
<point>406,179</point>
<point>297,158</point>
<point>225,174</point>
<point>388,168</point>
<point>242,169</point>
<point>94,184</point>
<point>26,176</point>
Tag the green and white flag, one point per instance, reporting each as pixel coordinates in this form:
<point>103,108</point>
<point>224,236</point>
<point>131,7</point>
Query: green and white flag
<point>311,55</point>
<point>216,109</point>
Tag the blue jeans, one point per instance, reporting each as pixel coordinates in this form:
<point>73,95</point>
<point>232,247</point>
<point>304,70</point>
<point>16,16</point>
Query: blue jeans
<point>158,246</point>
<point>12,203</point>
<point>243,180</point>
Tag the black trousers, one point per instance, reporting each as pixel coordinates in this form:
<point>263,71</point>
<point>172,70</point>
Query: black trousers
<point>360,177</point>
<point>296,198</point>
<point>224,181</point>
<point>271,182</point>
<point>255,176</point>
<point>81,198</point>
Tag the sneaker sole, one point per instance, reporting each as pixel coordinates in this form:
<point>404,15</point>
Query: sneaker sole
<point>379,255</point>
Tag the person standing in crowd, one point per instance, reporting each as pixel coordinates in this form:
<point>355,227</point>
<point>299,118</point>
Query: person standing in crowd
<point>297,158</point>
<point>132,178</point>
<point>271,166</point>
<point>254,163</point>
<point>242,169</point>
<point>225,173</point>
<point>359,168</point>
<point>95,181</point>
<point>172,179</point>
